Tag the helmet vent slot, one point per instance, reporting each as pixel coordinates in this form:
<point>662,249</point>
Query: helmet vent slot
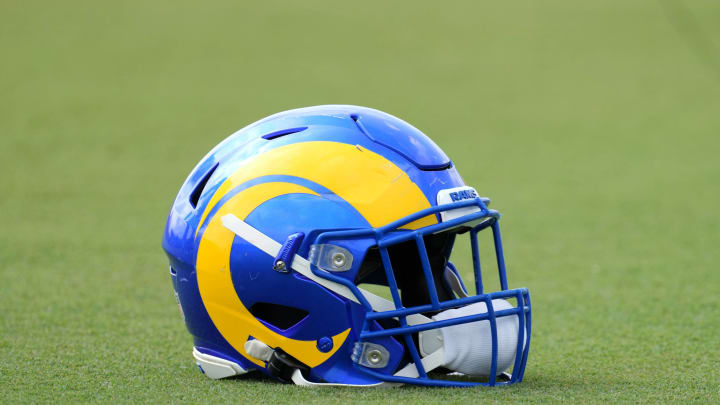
<point>283,132</point>
<point>361,127</point>
<point>197,191</point>
<point>279,316</point>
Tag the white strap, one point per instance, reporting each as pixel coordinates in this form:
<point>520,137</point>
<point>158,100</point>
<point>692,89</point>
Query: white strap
<point>430,362</point>
<point>258,350</point>
<point>302,266</point>
<point>216,367</point>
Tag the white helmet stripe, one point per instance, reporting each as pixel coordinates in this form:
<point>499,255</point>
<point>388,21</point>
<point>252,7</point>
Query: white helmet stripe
<point>302,266</point>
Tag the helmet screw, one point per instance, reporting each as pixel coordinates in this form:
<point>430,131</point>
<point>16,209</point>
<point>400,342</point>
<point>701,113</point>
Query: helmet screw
<point>338,259</point>
<point>279,265</point>
<point>324,344</point>
<point>374,356</point>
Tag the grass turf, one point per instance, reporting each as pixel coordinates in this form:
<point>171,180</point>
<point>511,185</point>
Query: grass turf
<point>594,128</point>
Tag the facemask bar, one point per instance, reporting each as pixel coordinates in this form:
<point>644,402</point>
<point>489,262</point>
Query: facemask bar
<point>390,235</point>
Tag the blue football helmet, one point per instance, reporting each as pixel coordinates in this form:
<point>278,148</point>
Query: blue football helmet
<point>283,238</point>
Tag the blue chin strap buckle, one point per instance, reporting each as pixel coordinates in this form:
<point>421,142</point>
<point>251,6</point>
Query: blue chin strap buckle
<point>284,258</point>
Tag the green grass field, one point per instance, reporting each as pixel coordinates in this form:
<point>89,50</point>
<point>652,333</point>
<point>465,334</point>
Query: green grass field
<point>593,126</point>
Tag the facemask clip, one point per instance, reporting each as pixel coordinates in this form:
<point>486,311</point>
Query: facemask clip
<point>370,355</point>
<point>330,257</point>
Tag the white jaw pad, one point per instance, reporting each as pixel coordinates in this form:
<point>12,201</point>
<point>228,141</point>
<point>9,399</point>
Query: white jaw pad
<point>216,367</point>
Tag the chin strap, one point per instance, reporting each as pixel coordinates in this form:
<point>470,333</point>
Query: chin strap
<point>429,362</point>
<point>280,367</point>
<point>283,370</point>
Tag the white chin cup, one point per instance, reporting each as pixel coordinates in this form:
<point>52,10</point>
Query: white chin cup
<point>468,346</point>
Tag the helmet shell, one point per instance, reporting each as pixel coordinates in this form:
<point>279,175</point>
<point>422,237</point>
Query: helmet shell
<point>301,171</point>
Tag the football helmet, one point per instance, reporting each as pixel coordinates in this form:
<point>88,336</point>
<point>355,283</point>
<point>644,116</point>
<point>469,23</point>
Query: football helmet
<point>285,236</point>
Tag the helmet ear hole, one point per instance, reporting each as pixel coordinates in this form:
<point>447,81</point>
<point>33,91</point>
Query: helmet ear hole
<point>280,316</point>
